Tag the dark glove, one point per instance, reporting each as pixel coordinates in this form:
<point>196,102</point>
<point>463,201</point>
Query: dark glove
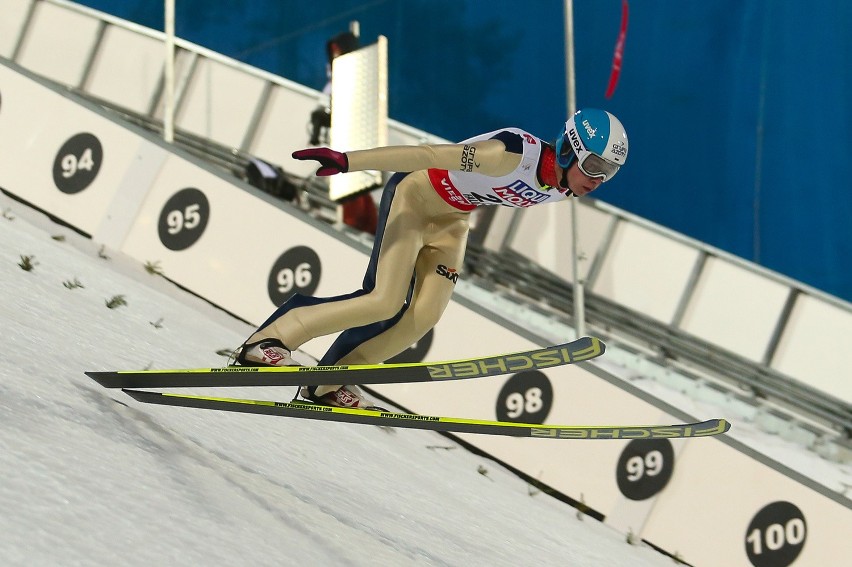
<point>332,162</point>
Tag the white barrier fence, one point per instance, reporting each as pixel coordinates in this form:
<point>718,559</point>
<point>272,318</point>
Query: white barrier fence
<point>711,501</point>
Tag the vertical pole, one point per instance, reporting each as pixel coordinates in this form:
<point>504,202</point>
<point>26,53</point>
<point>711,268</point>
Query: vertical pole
<point>579,297</point>
<point>570,91</point>
<point>169,73</point>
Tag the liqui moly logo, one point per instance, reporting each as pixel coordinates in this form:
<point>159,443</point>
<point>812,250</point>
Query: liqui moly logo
<point>519,194</point>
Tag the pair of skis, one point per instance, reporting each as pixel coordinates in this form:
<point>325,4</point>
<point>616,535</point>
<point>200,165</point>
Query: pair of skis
<point>582,349</point>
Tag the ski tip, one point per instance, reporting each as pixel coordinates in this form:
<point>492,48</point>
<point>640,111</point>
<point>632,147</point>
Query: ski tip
<point>711,427</point>
<point>586,348</point>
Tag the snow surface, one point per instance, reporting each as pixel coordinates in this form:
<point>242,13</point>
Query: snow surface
<point>88,476</point>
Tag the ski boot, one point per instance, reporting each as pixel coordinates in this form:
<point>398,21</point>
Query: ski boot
<point>267,352</point>
<point>343,397</point>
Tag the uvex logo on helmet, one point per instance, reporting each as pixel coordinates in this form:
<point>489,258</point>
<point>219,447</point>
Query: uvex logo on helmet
<point>575,140</point>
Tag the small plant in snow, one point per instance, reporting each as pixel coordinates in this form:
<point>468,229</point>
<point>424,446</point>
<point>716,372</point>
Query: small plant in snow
<point>27,263</point>
<point>59,237</point>
<point>116,301</point>
<point>72,284</point>
<point>582,508</point>
<point>537,487</point>
<point>102,253</point>
<point>158,324</point>
<point>154,268</point>
<point>484,472</point>
<point>7,214</point>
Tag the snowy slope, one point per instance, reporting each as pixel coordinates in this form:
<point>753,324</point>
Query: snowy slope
<point>90,477</point>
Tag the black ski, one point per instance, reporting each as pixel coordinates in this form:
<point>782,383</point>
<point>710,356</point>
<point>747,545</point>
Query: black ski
<point>305,410</point>
<point>584,348</point>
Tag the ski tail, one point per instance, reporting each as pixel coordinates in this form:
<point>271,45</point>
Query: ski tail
<point>303,410</point>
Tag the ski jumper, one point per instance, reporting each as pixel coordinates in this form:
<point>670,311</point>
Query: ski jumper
<point>419,245</point>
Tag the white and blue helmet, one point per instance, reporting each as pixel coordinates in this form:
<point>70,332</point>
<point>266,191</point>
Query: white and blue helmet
<point>596,139</point>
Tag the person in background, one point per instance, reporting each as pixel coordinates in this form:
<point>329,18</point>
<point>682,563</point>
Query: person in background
<point>422,234</point>
<point>340,44</point>
<point>358,211</point>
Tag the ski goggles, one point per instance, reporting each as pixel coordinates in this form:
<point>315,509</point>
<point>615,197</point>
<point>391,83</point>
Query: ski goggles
<point>590,164</point>
<point>594,165</point>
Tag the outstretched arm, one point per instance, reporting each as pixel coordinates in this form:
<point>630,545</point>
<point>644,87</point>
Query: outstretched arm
<point>487,157</point>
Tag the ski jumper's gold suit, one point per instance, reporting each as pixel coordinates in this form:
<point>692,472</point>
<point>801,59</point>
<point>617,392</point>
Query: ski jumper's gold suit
<point>420,242</point>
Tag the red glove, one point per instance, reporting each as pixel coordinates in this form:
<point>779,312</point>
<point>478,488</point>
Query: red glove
<point>332,162</point>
